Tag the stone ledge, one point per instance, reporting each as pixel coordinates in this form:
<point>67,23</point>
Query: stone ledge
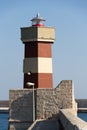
<point>70,121</point>
<point>18,121</point>
<point>30,128</point>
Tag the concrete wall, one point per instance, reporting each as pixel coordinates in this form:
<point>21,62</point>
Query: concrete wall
<point>48,102</point>
<point>70,121</point>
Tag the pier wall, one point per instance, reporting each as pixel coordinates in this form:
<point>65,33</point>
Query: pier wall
<point>20,105</point>
<point>70,121</point>
<point>47,104</point>
<point>50,101</point>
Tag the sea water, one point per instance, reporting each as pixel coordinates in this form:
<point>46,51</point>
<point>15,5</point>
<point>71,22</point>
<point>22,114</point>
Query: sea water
<point>83,116</point>
<point>5,116</point>
<point>4,121</point>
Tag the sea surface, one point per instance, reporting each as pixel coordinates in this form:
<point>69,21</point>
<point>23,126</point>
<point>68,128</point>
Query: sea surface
<point>5,116</point>
<point>83,116</point>
<point>4,121</point>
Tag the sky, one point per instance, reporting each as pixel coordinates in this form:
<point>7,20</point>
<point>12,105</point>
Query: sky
<point>68,17</point>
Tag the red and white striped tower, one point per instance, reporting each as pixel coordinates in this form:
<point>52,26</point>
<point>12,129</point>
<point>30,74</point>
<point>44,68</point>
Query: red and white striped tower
<point>38,41</point>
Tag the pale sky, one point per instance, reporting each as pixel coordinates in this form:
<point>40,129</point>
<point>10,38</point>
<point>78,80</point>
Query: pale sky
<point>68,17</point>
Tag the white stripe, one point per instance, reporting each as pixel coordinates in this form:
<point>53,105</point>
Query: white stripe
<point>44,65</point>
<point>30,64</point>
<point>38,65</point>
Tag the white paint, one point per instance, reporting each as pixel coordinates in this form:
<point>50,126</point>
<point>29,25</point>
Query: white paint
<point>45,65</point>
<point>30,65</point>
<point>37,65</point>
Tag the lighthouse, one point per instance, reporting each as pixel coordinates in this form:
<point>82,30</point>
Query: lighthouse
<point>38,40</point>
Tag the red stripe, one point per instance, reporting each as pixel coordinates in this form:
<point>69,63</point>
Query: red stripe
<point>41,80</point>
<point>38,49</point>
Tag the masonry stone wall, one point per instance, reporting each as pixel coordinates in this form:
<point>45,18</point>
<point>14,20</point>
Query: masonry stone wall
<point>48,102</point>
<point>20,104</point>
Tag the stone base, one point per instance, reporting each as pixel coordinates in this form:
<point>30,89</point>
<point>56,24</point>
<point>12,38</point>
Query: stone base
<point>42,103</point>
<point>19,126</point>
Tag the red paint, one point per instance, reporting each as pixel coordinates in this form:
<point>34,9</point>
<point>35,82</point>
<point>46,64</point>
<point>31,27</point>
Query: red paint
<point>41,80</point>
<point>38,49</point>
<point>31,50</point>
<point>39,25</point>
<point>45,50</point>
<point>45,80</point>
<point>31,78</point>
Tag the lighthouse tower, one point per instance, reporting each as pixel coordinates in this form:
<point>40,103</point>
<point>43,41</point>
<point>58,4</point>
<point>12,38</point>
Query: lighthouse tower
<point>37,40</point>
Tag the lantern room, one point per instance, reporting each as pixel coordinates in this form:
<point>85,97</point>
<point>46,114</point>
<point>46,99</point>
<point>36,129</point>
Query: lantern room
<point>38,21</point>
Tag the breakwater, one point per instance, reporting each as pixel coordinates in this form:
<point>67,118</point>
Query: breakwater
<point>4,109</point>
<point>4,106</point>
<point>82,110</point>
<point>82,103</point>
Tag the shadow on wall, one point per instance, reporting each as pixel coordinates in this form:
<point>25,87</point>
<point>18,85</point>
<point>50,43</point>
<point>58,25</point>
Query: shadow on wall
<point>21,106</point>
